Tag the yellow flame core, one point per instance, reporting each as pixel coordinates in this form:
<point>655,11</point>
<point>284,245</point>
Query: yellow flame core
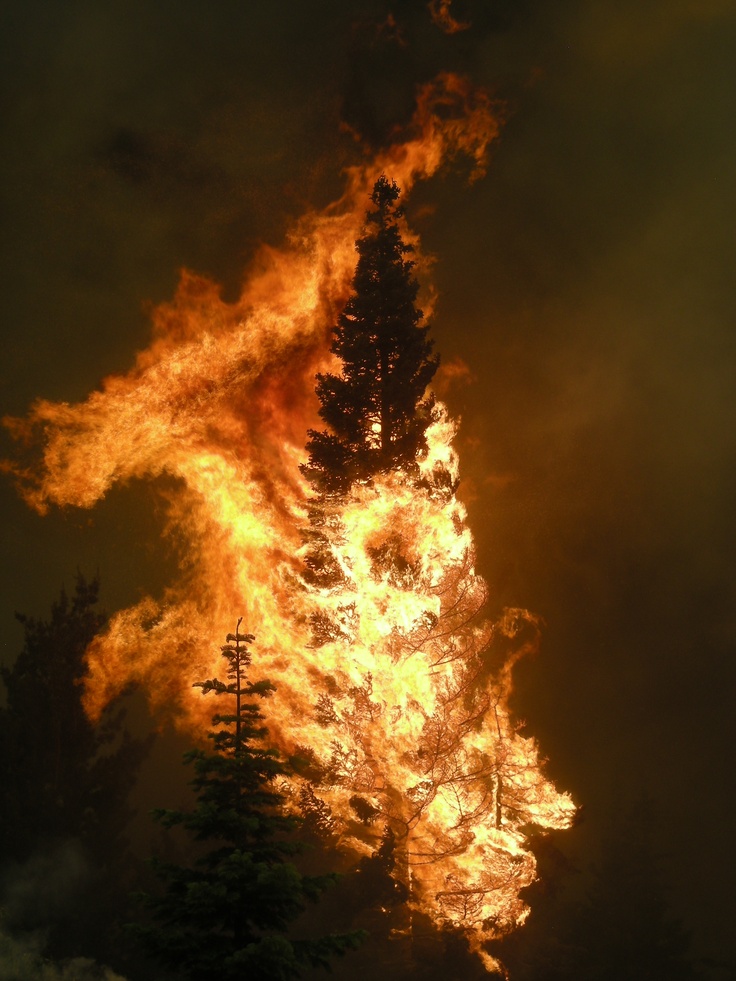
<point>417,720</point>
<point>405,702</point>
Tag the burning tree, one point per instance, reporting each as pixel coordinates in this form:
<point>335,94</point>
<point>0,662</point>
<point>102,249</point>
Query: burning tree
<point>227,914</point>
<point>417,736</point>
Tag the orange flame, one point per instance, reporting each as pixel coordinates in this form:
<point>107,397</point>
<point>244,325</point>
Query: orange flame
<point>414,688</point>
<point>441,15</point>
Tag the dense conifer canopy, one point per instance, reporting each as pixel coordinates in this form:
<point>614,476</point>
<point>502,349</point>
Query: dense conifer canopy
<point>376,408</point>
<point>226,915</point>
<point>65,781</point>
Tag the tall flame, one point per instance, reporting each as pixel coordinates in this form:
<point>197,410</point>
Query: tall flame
<point>406,704</point>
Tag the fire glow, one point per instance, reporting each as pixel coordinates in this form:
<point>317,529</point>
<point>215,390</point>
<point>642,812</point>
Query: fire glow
<point>406,707</point>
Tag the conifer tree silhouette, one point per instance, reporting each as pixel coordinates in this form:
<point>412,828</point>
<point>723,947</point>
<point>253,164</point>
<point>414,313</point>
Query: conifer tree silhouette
<point>376,408</point>
<point>227,914</point>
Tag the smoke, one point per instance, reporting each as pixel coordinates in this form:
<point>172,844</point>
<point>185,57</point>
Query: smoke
<point>443,17</point>
<point>22,959</point>
<point>45,887</point>
<point>34,897</point>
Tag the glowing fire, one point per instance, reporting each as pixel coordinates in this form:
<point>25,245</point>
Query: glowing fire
<point>406,705</point>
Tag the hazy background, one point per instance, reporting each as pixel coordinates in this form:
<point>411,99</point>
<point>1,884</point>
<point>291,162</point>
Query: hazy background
<point>587,281</point>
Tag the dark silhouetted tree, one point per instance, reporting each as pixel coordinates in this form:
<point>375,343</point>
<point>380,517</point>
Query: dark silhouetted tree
<point>376,409</point>
<point>65,783</point>
<point>228,913</point>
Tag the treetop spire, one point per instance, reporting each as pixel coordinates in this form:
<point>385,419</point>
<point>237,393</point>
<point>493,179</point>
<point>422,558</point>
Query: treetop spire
<point>377,409</point>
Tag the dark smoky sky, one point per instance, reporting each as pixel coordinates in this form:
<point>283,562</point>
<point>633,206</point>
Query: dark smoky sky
<point>587,281</point>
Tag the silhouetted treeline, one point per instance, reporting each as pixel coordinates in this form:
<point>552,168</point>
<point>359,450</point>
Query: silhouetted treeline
<point>65,866</point>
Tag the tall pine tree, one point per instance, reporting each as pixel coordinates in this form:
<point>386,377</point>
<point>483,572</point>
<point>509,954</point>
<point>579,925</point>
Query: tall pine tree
<point>376,409</point>
<point>226,915</point>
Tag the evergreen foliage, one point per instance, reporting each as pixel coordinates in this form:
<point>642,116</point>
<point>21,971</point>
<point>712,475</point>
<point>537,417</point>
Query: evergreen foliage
<point>65,785</point>
<point>376,408</point>
<point>226,915</point>
<point>63,776</point>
